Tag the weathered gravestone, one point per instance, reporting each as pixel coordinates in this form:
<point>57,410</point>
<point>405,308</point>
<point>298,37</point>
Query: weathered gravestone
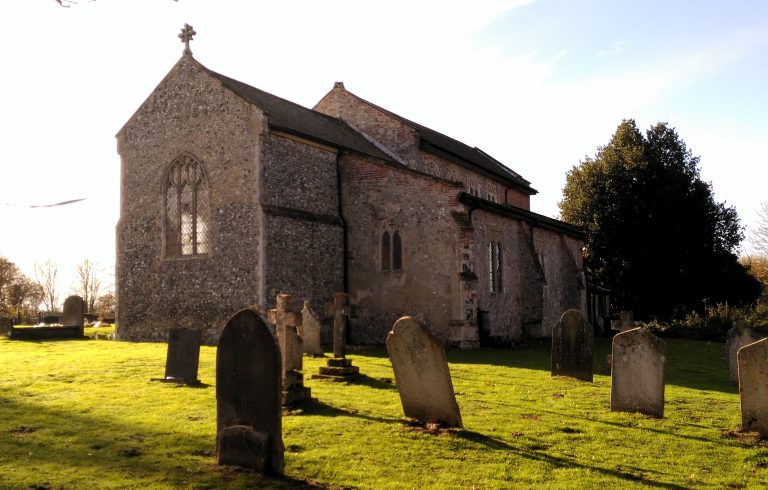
<point>637,373</point>
<point>339,367</point>
<point>286,322</point>
<point>248,393</point>
<point>310,327</point>
<point>6,325</point>
<point>422,375</point>
<point>625,322</point>
<point>753,387</point>
<point>183,356</point>
<point>74,312</point>
<point>738,336</point>
<point>573,343</point>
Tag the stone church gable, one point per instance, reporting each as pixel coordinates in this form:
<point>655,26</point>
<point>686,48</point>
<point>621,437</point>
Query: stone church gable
<point>230,195</point>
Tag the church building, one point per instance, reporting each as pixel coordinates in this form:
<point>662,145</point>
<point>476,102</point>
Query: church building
<point>230,195</point>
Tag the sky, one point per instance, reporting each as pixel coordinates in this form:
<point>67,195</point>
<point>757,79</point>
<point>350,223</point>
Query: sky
<point>539,85</point>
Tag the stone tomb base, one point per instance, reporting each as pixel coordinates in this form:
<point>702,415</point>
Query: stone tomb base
<point>42,333</point>
<point>338,369</point>
<point>295,391</point>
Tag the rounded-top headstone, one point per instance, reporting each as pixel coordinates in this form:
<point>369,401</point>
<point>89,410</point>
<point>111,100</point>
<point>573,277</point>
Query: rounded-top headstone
<point>637,372</point>
<point>248,389</point>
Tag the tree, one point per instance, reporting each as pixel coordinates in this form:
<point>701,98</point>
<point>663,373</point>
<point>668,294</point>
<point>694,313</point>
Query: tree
<point>87,283</point>
<point>759,236</point>
<point>655,234</point>
<point>45,277</point>
<point>105,305</point>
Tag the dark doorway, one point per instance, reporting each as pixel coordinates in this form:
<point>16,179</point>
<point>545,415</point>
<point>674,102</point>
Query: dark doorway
<point>484,327</point>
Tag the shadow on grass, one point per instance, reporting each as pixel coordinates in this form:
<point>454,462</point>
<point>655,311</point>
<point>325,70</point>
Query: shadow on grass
<point>569,415</point>
<point>634,475</point>
<point>691,364</point>
<point>378,383</point>
<point>118,452</point>
<point>316,407</point>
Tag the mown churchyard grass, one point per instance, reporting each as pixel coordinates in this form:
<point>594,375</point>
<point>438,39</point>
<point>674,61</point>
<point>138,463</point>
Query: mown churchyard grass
<point>84,414</point>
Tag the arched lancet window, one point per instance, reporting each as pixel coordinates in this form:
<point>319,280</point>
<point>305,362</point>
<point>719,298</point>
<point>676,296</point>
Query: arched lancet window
<point>495,261</point>
<point>391,251</point>
<point>186,208</point>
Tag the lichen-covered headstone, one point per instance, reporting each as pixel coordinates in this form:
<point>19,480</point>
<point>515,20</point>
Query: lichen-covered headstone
<point>422,375</point>
<point>74,312</point>
<point>753,387</point>
<point>248,395</point>
<point>738,336</point>
<point>311,331</point>
<point>573,343</point>
<point>183,356</point>
<point>637,373</point>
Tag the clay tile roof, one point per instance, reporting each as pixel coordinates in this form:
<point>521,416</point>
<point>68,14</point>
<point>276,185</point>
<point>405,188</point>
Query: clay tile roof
<point>432,139</point>
<point>294,118</point>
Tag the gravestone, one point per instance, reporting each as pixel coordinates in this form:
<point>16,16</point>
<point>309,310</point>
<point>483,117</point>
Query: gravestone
<point>339,311</point>
<point>637,373</point>
<point>422,375</point>
<point>339,367</point>
<point>6,325</point>
<point>74,312</point>
<point>753,387</point>
<point>311,332</point>
<point>183,356</point>
<point>738,336</point>
<point>286,322</point>
<point>572,346</point>
<point>248,395</point>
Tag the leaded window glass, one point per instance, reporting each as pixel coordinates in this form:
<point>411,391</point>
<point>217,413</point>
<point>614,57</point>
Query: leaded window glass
<point>186,208</point>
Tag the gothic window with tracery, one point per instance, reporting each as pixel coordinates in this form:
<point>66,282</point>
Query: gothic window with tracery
<point>186,208</point>
<point>391,251</point>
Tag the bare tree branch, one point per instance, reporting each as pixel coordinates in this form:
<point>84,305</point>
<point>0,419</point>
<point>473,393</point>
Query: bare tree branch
<point>45,276</point>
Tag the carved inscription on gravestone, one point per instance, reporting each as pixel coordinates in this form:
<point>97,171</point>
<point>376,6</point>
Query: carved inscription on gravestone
<point>248,393</point>
<point>738,336</point>
<point>572,346</point>
<point>753,387</point>
<point>183,356</point>
<point>637,373</point>
<point>74,312</point>
<point>422,375</point>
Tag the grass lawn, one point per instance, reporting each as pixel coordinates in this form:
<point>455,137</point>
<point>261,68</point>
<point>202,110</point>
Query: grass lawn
<point>83,414</point>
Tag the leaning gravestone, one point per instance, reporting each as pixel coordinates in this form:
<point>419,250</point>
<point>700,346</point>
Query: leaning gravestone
<point>637,373</point>
<point>248,392</point>
<point>74,312</point>
<point>753,387</point>
<point>311,332</point>
<point>421,374</point>
<point>738,336</point>
<point>183,356</point>
<point>572,346</point>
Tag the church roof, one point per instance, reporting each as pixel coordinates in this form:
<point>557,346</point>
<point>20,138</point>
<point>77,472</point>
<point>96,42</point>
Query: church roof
<point>296,119</point>
<point>454,149</point>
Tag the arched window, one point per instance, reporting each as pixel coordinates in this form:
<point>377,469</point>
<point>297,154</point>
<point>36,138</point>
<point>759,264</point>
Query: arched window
<point>391,251</point>
<point>186,208</point>
<point>495,262</point>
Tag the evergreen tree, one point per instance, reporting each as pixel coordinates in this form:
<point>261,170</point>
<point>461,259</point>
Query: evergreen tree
<point>655,234</point>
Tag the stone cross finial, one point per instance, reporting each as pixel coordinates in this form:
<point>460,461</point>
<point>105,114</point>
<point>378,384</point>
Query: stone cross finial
<point>186,35</point>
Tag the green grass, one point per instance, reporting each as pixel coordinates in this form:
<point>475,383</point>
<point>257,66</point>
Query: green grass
<point>83,414</point>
